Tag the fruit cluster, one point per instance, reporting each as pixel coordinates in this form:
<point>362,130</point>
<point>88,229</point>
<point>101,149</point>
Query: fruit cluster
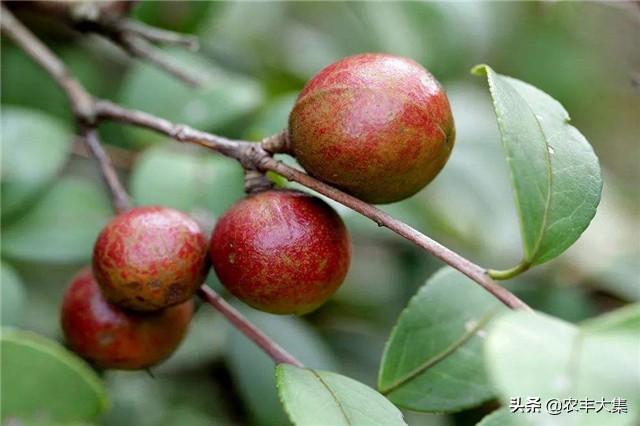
<point>377,126</point>
<point>132,309</point>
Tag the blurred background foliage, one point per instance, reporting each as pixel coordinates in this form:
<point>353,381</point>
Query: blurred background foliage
<point>255,57</point>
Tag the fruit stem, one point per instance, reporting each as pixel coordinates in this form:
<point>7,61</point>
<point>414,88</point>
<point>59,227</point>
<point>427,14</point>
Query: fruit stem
<point>278,143</point>
<point>85,107</point>
<point>271,348</point>
<point>255,181</point>
<point>249,154</point>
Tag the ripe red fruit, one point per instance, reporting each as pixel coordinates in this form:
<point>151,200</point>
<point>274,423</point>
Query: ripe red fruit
<point>281,251</point>
<point>111,337</point>
<point>150,258</point>
<point>377,126</point>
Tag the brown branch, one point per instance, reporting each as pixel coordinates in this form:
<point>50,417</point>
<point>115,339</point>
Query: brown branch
<point>158,35</point>
<point>86,127</point>
<point>277,353</point>
<point>120,198</point>
<point>135,39</point>
<point>81,102</point>
<point>138,47</point>
<point>122,158</point>
<point>254,156</point>
<point>110,21</point>
<point>453,259</point>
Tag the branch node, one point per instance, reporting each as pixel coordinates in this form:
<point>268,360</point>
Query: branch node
<point>253,157</point>
<point>180,133</point>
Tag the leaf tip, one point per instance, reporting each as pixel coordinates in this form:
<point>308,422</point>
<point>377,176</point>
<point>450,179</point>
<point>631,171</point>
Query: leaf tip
<point>480,69</point>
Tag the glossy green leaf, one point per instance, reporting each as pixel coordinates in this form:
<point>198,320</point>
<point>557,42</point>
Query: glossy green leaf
<point>41,379</point>
<point>501,417</point>
<point>534,355</point>
<point>433,359</point>
<point>186,180</point>
<point>13,295</point>
<point>221,99</point>
<point>554,171</point>
<point>313,397</point>
<point>252,370</point>
<point>61,227</point>
<point>35,146</point>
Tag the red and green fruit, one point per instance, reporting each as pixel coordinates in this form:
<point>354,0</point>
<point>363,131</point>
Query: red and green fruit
<point>109,336</point>
<point>150,258</point>
<point>281,251</point>
<point>375,125</point>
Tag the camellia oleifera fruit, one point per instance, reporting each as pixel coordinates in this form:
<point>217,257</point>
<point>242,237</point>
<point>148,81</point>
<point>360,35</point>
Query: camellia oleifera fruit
<point>281,251</point>
<point>375,125</point>
<point>109,336</point>
<point>150,258</point>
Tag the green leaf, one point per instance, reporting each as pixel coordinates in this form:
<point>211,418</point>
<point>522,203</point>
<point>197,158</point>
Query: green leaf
<point>433,359</point>
<point>186,180</point>
<point>570,303</point>
<point>13,295</point>
<point>534,355</point>
<point>41,379</point>
<point>183,17</point>
<point>186,399</point>
<point>554,171</point>
<point>620,276</point>
<point>501,417</point>
<point>252,370</point>
<point>626,319</point>
<point>61,227</point>
<point>35,146</point>
<point>221,99</point>
<point>313,397</point>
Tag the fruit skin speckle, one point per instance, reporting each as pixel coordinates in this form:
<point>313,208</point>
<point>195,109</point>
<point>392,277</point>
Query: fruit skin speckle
<point>111,337</point>
<point>281,251</point>
<point>150,258</point>
<point>375,125</point>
